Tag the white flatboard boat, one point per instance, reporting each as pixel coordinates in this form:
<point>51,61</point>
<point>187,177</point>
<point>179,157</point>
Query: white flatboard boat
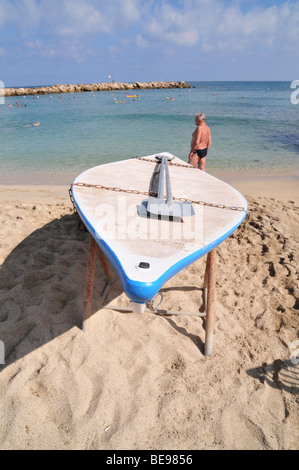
<point>150,237</point>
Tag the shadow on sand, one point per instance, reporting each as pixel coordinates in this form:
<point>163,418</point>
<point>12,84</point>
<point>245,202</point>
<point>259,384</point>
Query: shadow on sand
<point>282,375</point>
<point>42,285</point>
<point>42,288</point>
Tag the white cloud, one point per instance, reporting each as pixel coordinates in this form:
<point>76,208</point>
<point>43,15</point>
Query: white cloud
<point>4,12</point>
<point>209,25</point>
<point>66,27</point>
<point>38,49</point>
<point>129,9</point>
<point>172,26</point>
<point>185,23</point>
<point>212,25</point>
<point>70,17</point>
<point>78,17</point>
<point>24,13</point>
<point>183,38</point>
<point>141,42</point>
<point>29,12</point>
<point>37,44</point>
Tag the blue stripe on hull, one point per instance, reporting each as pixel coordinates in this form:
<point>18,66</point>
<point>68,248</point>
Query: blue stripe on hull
<point>141,292</point>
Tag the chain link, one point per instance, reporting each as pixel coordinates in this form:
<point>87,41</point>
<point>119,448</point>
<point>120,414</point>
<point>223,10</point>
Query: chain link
<point>109,188</point>
<point>146,193</point>
<point>81,225</point>
<point>74,206</point>
<point>169,162</point>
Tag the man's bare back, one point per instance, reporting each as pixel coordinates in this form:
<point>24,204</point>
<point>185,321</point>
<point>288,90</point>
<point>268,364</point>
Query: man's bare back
<point>201,137</point>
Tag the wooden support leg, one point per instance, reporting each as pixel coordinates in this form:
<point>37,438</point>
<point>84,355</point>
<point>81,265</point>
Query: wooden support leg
<point>104,262</point>
<point>205,285</point>
<point>107,271</point>
<point>211,281</point>
<point>89,281</point>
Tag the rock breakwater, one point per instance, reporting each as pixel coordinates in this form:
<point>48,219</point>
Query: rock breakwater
<point>111,86</point>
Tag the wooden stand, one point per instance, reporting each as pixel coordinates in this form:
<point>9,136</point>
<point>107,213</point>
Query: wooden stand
<point>209,291</point>
<point>210,300</point>
<point>92,250</point>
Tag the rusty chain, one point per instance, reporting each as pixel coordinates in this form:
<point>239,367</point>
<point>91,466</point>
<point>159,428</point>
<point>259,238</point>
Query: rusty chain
<point>81,225</point>
<point>146,193</point>
<point>169,162</point>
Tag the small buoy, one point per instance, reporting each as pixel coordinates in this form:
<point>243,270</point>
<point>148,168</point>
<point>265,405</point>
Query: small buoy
<point>214,94</point>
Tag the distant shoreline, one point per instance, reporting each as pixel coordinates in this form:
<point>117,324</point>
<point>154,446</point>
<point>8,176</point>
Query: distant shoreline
<point>110,86</point>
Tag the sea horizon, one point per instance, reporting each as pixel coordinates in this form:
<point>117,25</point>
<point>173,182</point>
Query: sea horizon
<point>146,81</point>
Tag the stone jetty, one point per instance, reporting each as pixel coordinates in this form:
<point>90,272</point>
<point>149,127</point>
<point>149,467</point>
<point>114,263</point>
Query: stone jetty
<point>111,86</point>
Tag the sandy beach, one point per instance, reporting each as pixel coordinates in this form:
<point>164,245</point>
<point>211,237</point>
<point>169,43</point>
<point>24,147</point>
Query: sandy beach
<point>142,381</point>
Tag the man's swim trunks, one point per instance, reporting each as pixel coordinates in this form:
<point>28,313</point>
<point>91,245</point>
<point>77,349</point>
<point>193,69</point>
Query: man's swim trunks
<point>201,153</point>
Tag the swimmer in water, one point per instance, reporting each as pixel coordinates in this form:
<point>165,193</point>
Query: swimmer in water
<point>31,125</point>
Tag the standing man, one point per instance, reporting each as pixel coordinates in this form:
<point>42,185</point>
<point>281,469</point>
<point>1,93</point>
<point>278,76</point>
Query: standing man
<point>200,143</point>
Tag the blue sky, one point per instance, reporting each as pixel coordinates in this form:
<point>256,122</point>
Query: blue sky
<point>82,41</point>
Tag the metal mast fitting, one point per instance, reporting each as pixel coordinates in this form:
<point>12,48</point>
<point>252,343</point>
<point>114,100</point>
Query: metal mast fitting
<point>157,206</point>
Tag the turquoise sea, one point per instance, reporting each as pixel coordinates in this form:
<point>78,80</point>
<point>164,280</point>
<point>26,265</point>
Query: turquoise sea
<point>254,125</point>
